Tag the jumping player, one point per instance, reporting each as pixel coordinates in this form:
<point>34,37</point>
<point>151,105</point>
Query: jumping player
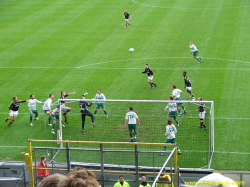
<point>47,107</point>
<point>188,86</point>
<point>100,96</point>
<point>64,108</point>
<point>150,74</point>
<point>14,106</point>
<point>85,112</point>
<point>202,114</point>
<point>177,93</point>
<point>172,107</point>
<point>32,108</point>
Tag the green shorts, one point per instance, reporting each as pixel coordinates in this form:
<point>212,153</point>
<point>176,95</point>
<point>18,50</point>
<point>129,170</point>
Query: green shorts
<point>179,99</point>
<point>131,127</point>
<point>173,114</point>
<point>170,140</point>
<point>55,117</point>
<point>33,112</point>
<point>98,105</point>
<point>195,53</point>
<point>46,111</point>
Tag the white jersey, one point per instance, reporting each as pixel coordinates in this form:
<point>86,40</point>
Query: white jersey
<point>177,93</point>
<point>131,117</point>
<point>47,104</point>
<point>100,97</point>
<point>172,107</point>
<point>171,131</point>
<point>193,48</point>
<point>32,104</point>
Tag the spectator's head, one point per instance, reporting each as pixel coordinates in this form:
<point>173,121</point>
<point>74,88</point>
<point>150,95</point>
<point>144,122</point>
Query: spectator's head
<point>52,180</point>
<point>80,177</point>
<point>143,179</point>
<point>121,178</point>
<point>43,158</point>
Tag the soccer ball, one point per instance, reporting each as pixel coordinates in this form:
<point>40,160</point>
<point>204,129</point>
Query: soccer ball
<point>131,50</point>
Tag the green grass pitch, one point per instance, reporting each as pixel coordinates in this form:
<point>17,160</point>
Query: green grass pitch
<point>79,45</point>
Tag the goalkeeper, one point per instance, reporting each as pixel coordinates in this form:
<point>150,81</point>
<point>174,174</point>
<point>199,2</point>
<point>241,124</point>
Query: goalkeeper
<point>170,133</point>
<point>85,112</point>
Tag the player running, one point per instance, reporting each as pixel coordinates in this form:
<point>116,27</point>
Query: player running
<point>14,106</point>
<point>202,114</point>
<point>130,121</point>
<point>150,74</point>
<point>172,107</point>
<point>32,108</point>
<point>47,107</point>
<point>194,50</point>
<point>65,109</point>
<point>100,96</point>
<point>170,133</point>
<point>126,17</point>
<point>177,93</point>
<point>188,86</point>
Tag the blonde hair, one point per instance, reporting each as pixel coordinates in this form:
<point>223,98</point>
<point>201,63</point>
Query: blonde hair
<point>143,179</point>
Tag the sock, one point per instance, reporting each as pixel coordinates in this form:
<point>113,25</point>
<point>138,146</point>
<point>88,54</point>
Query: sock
<point>30,119</point>
<point>36,115</point>
<point>179,110</point>
<point>135,134</point>
<point>105,112</point>
<point>49,120</point>
<point>192,95</point>
<point>204,126</point>
<point>53,126</point>
<point>10,123</point>
<point>183,107</point>
<point>95,112</point>
<point>130,134</point>
<point>150,84</point>
<point>177,122</point>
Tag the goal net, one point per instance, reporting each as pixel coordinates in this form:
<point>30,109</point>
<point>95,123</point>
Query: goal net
<point>196,144</point>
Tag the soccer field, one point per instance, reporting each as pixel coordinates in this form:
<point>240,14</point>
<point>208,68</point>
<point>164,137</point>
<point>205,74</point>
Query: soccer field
<point>80,45</point>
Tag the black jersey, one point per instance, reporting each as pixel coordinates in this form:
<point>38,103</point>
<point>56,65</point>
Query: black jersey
<point>187,81</point>
<point>15,105</point>
<point>63,97</point>
<point>149,71</point>
<point>84,105</point>
<point>126,15</point>
<point>202,107</point>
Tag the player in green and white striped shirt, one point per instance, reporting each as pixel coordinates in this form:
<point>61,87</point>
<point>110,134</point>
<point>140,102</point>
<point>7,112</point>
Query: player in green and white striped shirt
<point>130,120</point>
<point>172,107</point>
<point>32,108</point>
<point>194,50</point>
<point>100,96</point>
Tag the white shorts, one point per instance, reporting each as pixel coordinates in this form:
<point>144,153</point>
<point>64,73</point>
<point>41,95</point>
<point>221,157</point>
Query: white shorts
<point>65,109</point>
<point>126,19</point>
<point>202,115</point>
<point>188,88</point>
<point>150,78</point>
<point>14,113</point>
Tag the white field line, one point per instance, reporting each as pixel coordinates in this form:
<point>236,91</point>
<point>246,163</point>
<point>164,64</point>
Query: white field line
<point>189,7</point>
<point>88,66</point>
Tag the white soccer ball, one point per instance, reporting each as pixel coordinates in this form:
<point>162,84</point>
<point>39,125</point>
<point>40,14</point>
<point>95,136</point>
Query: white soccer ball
<point>131,50</point>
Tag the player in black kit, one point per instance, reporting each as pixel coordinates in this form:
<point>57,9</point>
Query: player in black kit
<point>14,106</point>
<point>150,73</point>
<point>85,112</point>
<point>126,17</point>
<point>202,114</point>
<point>188,86</point>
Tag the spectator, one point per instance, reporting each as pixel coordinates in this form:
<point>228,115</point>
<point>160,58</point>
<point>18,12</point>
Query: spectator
<point>121,182</point>
<point>144,182</point>
<point>164,178</point>
<point>52,180</point>
<point>42,172</point>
